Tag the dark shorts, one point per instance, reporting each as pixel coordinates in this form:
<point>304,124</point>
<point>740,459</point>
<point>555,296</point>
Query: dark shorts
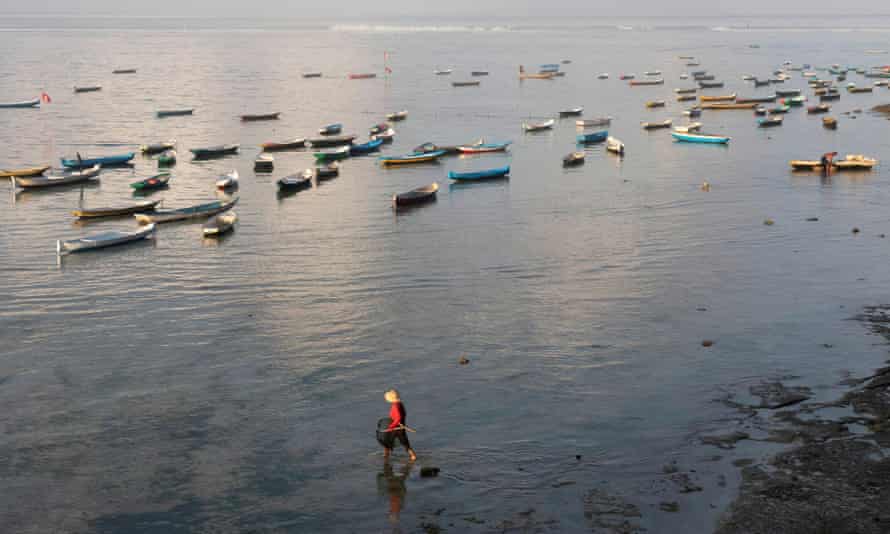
<point>389,439</point>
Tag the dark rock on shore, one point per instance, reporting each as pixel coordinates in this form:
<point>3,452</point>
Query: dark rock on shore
<point>775,395</point>
<point>725,441</point>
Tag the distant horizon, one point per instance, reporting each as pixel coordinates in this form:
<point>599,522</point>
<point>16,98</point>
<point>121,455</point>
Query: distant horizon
<point>81,13</point>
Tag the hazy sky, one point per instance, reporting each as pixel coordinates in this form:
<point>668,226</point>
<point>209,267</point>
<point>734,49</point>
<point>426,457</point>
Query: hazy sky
<point>415,8</point>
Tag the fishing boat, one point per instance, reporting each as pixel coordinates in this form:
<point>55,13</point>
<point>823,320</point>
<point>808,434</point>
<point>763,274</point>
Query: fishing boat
<point>49,180</point>
<point>95,213</point>
<point>415,196</point>
<point>686,90</point>
<point>699,73</point>
<point>201,211</point>
<point>760,110</point>
<point>312,75</point>
<point>768,122</point>
<point>157,148</point>
<point>217,151</point>
<point>365,148</point>
<point>788,92</point>
<point>656,81</point>
<point>321,142</point>
<point>466,84</point>
<point>443,72</point>
<point>87,89</point>
<point>727,105</point>
<point>264,163</point>
<point>26,104</point>
<point>330,129</point>
<point>656,125</point>
<point>688,128</point>
<point>779,110</point>
<point>385,136</point>
<point>290,144</point>
<point>572,159</point>
<point>124,71</point>
<point>718,98</point>
<point>652,73</point>
<point>549,67</point>
<point>700,138</point>
<point>489,174</point>
<point>794,101</point>
<point>692,112</point>
<point>22,173</point>
<point>479,73</point>
<point>655,104</point>
<point>482,148</point>
<point>158,181</point>
<point>851,88</point>
<point>426,148</point>
<point>703,77</point>
<point>594,137</point>
<point>164,113</point>
<point>684,76</point>
<point>227,181</point>
<point>573,112</point>
<point>220,224</point>
<point>820,108</point>
<point>602,76</point>
<point>104,240</point>
<point>540,76</point>
<point>627,76</point>
<point>538,126</point>
<point>856,162</point>
<point>412,158</point>
<point>295,182</point>
<point>379,128</point>
<point>588,123</point>
<point>397,116</point>
<point>106,161</point>
<point>829,123</point>
<point>167,158</point>
<point>710,85</point>
<point>261,117</point>
<point>326,172</point>
<point>756,99</point>
<point>333,155</point>
<point>760,83</point>
<point>362,76</point>
<point>615,146</point>
<point>685,98</point>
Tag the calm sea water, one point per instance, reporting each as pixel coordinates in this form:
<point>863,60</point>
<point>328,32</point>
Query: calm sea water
<point>232,386</point>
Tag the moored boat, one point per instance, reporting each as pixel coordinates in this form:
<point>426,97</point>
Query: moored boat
<point>25,104</point>
<point>49,180</point>
<point>167,158</point>
<point>855,162</point>
<point>326,172</point>
<point>829,123</point>
<point>158,181</point>
<point>692,112</point>
<point>333,155</point>
<point>443,72</point>
<point>727,105</point>
<point>227,181</point>
<point>700,138</point>
<point>710,85</point>
<point>687,128</point>
<point>261,117</point>
<point>157,148</point>
<point>768,122</point>
<point>820,108</point>
<point>362,76</point>
<point>656,125</point>
<point>291,144</point>
<point>95,213</point>
<point>479,73</point>
<point>214,151</point>
<point>87,89</point>
<point>105,161</point>
<point>787,92</point>
<point>756,99</point>
<point>656,81</point>
<point>333,140</point>
<point>594,137</point>
<point>685,98</point>
<point>330,129</point>
<point>264,163</point>
<point>573,112</point>
<point>411,158</point>
<point>655,104</point>
<point>397,115</point>
<point>386,136</point>
<point>124,71</point>
<point>482,148</point>
<point>174,112</point>
<point>466,84</point>
<point>718,98</point>
<point>572,159</point>
<point>538,126</point>
<point>365,148</point>
<point>600,121</point>
<point>615,146</point>
<point>199,211</point>
<point>218,225</point>
<point>793,101</point>
<point>779,110</point>
<point>295,182</point>
<point>686,90</point>
<point>488,174</point>
<point>25,172</point>
<point>415,196</point>
<point>315,74</point>
<point>104,240</point>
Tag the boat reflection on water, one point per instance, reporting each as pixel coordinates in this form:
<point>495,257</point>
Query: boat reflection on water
<point>391,485</point>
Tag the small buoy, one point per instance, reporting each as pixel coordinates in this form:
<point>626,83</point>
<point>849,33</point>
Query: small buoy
<point>855,230</point>
<point>769,222</point>
<point>707,343</point>
<point>577,456</point>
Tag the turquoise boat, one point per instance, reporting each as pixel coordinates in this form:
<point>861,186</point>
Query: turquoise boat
<point>489,174</point>
<point>700,138</point>
<point>107,161</point>
<point>595,137</point>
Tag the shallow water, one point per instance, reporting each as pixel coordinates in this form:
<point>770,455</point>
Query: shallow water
<point>192,386</point>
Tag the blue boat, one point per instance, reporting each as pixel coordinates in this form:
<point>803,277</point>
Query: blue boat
<point>28,104</point>
<point>365,148</point>
<point>108,161</point>
<point>549,67</point>
<point>489,174</point>
<point>700,138</point>
<point>331,129</point>
<point>594,137</point>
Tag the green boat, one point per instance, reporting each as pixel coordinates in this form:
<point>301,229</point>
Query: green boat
<point>332,155</point>
<point>778,110</point>
<point>795,101</point>
<point>167,159</point>
<point>157,181</point>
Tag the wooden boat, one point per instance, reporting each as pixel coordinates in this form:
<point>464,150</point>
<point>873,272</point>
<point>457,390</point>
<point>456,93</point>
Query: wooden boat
<point>692,112</point>
<point>627,76</point>
<point>93,213</point>
<point>333,155</point>
<point>794,101</point>
<point>686,90</point>
<point>479,73</point>
<point>411,158</point>
<point>587,123</point>
<point>104,240</point>
<point>261,117</point>
<point>572,159</point>
<point>615,146</point>
<point>489,174</point>
<point>26,104</point>
<point>124,71</point>
<point>71,177</point>
<point>602,76</point>
<point>330,129</point>
<point>174,112</point>
<point>292,144</point>
<point>482,148</point>
<point>158,181</point>
<point>768,122</point>
<point>105,161</point>
<point>853,89</point>
<point>699,73</point>
<point>22,173</point>
<point>655,104</point>
<point>465,84</point>
<point>228,181</point>
<point>656,125</point>
<point>443,72</point>
<point>710,85</point>
<point>87,89</point>
<point>703,77</point>
<point>820,108</point>
<point>200,211</point>
<point>295,182</point>
<point>415,196</point>
<point>157,148</point>
<point>321,142</point>
<point>700,138</point>
<point>574,112</point>
<point>362,76</point>
<point>379,128</point>
<point>426,148</point>
<point>787,92</point>
<point>595,137</point>
<point>264,163</point>
<point>718,98</point>
<point>829,123</point>
<point>397,116</point>
<point>652,73</point>
<point>760,110</point>
<point>779,110</point>
<point>688,128</point>
<point>167,159</point>
<point>365,148</point>
<point>727,105</point>
<point>214,151</point>
<point>220,224</point>
<point>856,162</point>
<point>326,172</point>
<point>538,126</point>
<point>386,136</point>
<point>540,76</point>
<point>756,99</point>
<point>311,75</point>
<point>685,98</point>
<point>656,81</point>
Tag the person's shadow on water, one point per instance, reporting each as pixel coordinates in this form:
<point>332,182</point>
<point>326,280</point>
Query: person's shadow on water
<point>391,484</point>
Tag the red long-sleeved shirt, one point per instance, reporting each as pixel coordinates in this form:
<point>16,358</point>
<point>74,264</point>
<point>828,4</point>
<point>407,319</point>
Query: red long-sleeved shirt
<point>397,414</point>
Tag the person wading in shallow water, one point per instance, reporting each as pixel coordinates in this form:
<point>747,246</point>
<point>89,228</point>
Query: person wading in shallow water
<point>393,428</point>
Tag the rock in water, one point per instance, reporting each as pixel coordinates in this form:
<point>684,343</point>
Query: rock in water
<point>429,472</point>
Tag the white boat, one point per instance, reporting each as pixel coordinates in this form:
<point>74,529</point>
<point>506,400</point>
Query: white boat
<point>104,240</point>
<point>442,72</point>
<point>51,179</point>
<point>228,180</point>
<point>538,126</point>
<point>220,224</point>
<point>684,76</point>
<point>589,123</point>
<point>614,145</point>
<point>656,125</point>
<point>603,76</point>
<point>691,127</point>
